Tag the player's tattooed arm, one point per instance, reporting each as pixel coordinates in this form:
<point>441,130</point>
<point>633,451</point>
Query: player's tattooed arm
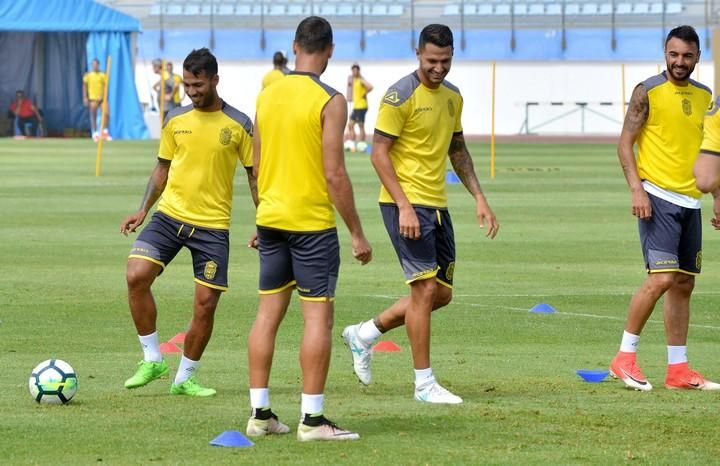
<point>462,163</point>
<point>635,118</point>
<point>156,184</point>
<point>252,183</point>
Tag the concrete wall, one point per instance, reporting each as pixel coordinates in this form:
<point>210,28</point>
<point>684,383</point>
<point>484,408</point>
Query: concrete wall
<point>516,83</point>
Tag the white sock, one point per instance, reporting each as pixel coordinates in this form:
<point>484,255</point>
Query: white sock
<point>629,342</point>
<point>368,332</point>
<point>259,398</point>
<point>677,354</point>
<point>187,369</point>
<point>423,376</point>
<point>151,347</point>
<point>312,404</point>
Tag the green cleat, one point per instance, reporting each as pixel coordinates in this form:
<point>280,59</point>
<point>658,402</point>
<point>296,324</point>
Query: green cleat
<point>147,372</point>
<point>191,387</point>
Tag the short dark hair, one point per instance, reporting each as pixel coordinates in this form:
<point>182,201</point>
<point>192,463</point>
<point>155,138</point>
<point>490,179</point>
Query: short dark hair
<point>436,34</point>
<point>279,59</point>
<point>354,66</point>
<point>201,60</point>
<point>314,34</point>
<point>685,33</point>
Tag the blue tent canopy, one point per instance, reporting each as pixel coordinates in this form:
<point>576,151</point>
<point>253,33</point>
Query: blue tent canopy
<point>47,46</point>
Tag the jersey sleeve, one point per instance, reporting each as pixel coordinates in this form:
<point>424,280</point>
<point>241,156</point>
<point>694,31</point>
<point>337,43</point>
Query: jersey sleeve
<point>391,118</point>
<point>245,150</point>
<point>86,78</point>
<point>458,117</point>
<point>167,142</point>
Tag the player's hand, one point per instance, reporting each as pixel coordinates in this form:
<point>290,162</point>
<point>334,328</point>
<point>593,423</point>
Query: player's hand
<point>641,207</point>
<point>253,241</point>
<point>130,224</point>
<point>715,221</point>
<point>361,249</point>
<point>485,215</point>
<point>409,223</point>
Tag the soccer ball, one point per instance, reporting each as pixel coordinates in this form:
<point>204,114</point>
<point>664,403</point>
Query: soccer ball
<point>349,145</point>
<point>53,381</point>
<point>362,146</point>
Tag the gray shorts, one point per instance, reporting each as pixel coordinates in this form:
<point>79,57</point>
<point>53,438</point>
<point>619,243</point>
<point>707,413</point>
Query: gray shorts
<point>307,261</point>
<point>672,238</point>
<point>433,255</point>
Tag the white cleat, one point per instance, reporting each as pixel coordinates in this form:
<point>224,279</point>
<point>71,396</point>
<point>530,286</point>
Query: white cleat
<point>261,427</point>
<point>325,430</point>
<point>361,353</point>
<point>433,392</point>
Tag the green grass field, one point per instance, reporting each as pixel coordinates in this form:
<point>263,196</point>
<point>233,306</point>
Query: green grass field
<point>567,238</point>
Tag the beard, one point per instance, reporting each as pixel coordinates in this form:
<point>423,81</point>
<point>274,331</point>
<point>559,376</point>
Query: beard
<point>681,73</point>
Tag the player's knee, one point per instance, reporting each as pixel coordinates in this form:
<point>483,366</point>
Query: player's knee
<point>443,296</point>
<point>137,277</point>
<point>684,283</point>
<point>659,283</point>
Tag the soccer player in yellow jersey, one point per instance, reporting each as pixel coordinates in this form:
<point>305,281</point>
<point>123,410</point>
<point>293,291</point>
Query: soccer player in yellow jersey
<point>665,119</point>
<point>279,69</point>
<point>93,92</point>
<point>177,85</point>
<point>357,91</point>
<point>200,147</point>
<point>417,130</point>
<point>299,159</point>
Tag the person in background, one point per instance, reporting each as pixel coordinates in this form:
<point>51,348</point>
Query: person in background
<point>94,82</point>
<point>279,70</point>
<point>25,115</point>
<point>357,91</point>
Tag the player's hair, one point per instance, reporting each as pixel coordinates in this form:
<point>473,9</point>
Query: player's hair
<point>355,65</point>
<point>201,60</point>
<point>279,59</point>
<point>436,34</point>
<point>95,59</point>
<point>314,34</point>
<point>685,33</point>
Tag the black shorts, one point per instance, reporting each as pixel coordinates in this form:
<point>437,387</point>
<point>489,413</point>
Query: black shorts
<point>358,115</point>
<point>672,238</point>
<point>433,255</point>
<point>164,236</point>
<point>307,261</point>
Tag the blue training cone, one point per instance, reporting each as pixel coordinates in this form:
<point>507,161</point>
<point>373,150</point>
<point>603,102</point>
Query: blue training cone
<point>542,308</point>
<point>451,178</point>
<point>231,438</point>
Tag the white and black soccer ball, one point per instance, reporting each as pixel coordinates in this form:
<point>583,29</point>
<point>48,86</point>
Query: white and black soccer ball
<point>53,381</point>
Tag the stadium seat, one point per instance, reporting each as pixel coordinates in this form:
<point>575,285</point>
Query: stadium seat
<point>553,9</point>
<point>536,9</point>
<point>379,10</point>
<point>469,9</point>
<point>242,9</point>
<point>641,9</point>
<point>173,9</point>
<point>572,9</point>
<point>656,8</point>
<point>257,10</point>
<point>520,9</point>
<point>451,10</point>
<point>396,10</point>
<point>605,9</point>
<point>296,10</point>
<point>589,9</point>
<point>346,9</point>
<point>674,8</point>
<point>623,8</point>
<point>276,9</point>
<point>484,9</point>
<point>225,9</point>
<point>205,9</point>
<point>328,9</point>
<point>155,10</point>
<point>502,9</point>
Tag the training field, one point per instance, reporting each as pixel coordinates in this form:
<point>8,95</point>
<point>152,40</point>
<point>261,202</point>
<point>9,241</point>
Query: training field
<point>567,238</point>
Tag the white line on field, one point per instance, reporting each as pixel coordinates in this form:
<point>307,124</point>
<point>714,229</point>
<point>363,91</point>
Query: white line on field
<point>574,314</point>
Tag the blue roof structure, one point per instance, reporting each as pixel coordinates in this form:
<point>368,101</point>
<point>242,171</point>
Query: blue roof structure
<point>63,15</point>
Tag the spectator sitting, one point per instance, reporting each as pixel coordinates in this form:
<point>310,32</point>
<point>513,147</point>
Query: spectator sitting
<point>26,116</point>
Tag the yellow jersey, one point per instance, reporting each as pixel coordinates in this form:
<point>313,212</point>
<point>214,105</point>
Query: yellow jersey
<point>711,131</point>
<point>176,95</point>
<point>292,187</point>
<point>271,77</point>
<point>422,122</point>
<point>669,142</point>
<point>95,83</point>
<point>203,148</point>
<point>359,95</point>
